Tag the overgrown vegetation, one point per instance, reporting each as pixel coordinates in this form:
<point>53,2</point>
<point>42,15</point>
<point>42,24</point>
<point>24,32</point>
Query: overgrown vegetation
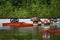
<point>29,8</point>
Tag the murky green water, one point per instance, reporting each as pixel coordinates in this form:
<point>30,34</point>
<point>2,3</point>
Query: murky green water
<point>8,35</point>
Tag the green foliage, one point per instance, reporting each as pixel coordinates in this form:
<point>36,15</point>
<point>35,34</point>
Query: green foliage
<point>5,9</point>
<point>29,8</point>
<point>20,13</point>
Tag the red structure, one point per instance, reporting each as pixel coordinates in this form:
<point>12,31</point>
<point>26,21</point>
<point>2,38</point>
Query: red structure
<point>19,24</point>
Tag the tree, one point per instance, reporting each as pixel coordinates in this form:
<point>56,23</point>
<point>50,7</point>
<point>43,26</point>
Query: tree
<point>5,9</point>
<point>29,8</point>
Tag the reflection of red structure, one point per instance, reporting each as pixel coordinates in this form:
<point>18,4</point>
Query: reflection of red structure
<point>56,31</point>
<point>19,24</point>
